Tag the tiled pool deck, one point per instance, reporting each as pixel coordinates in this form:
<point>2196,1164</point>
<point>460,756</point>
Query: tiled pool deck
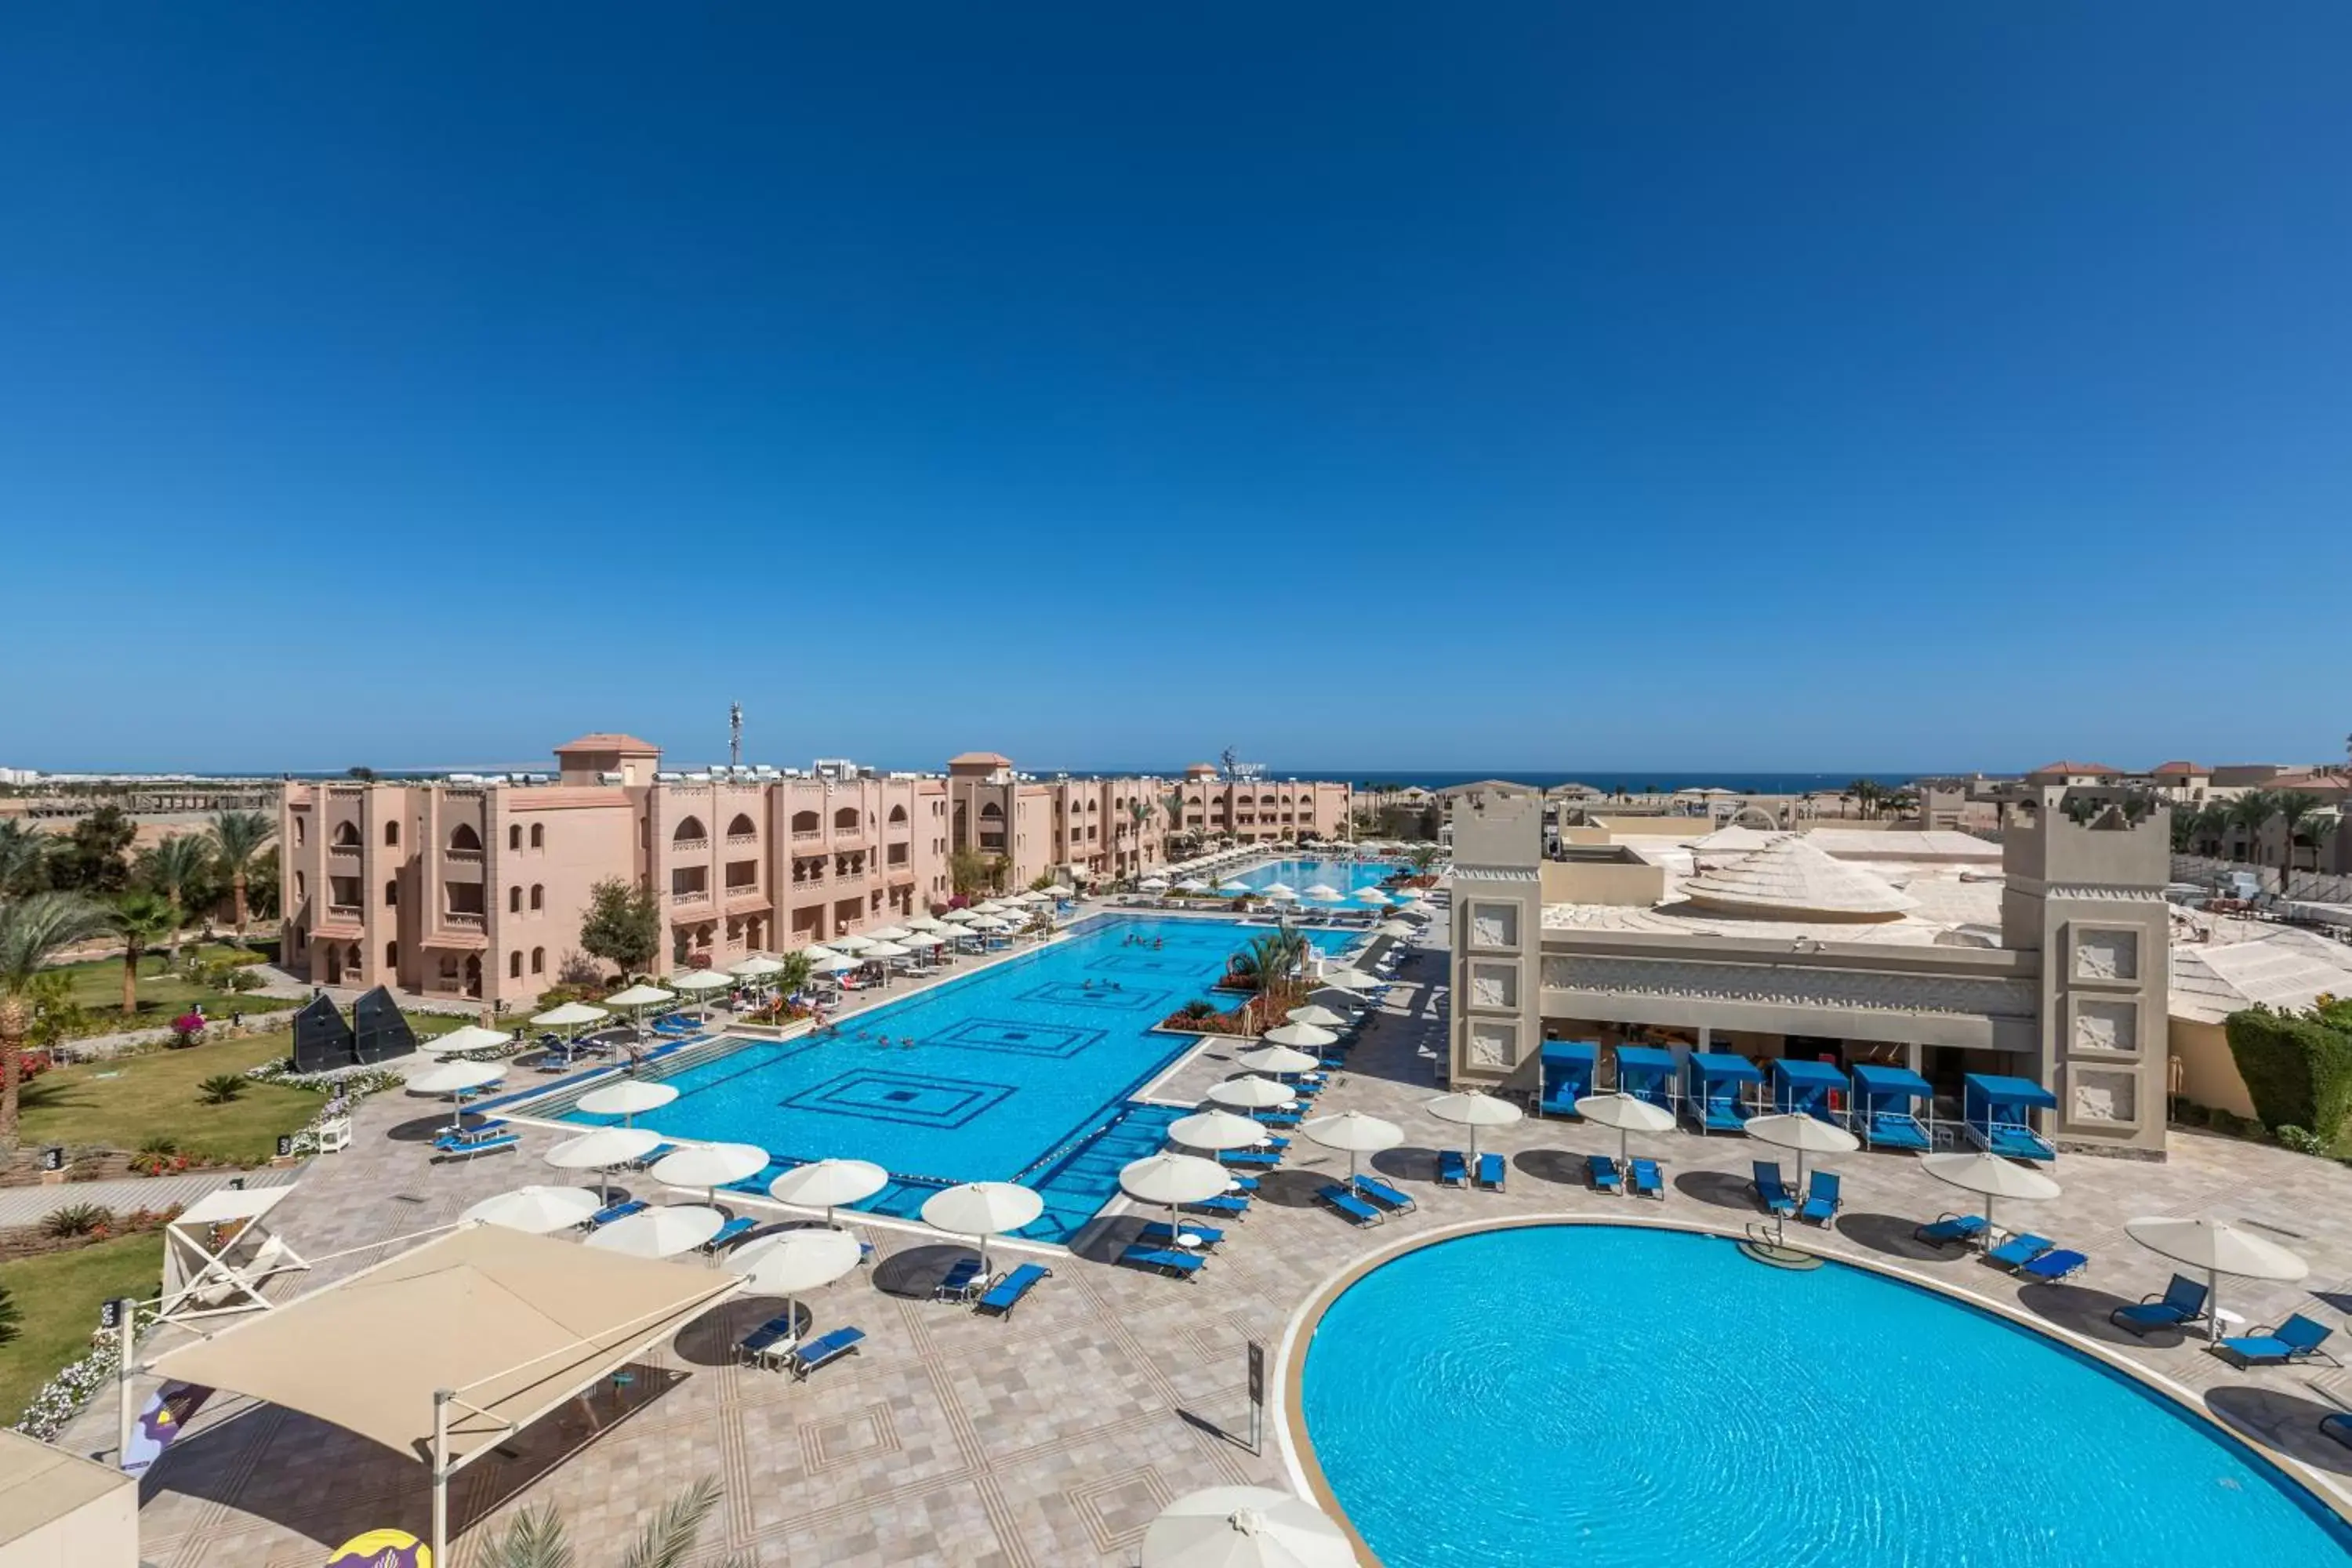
<point>1052,1438</point>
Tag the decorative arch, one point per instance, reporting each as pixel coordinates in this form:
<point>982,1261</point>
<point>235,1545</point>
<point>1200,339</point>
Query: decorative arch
<point>462,837</point>
<point>898,815</point>
<point>392,835</point>
<point>845,818</point>
<point>991,812</point>
<point>741,825</point>
<point>539,836</point>
<point>538,896</point>
<point>688,829</point>
<point>806,822</point>
<point>347,833</point>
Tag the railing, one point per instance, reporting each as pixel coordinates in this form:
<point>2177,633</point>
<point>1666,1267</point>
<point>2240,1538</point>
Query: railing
<point>350,914</point>
<point>469,919</point>
<point>691,896</point>
<point>470,855</point>
<point>742,839</point>
<point>343,848</point>
<point>689,846</point>
<point>807,835</point>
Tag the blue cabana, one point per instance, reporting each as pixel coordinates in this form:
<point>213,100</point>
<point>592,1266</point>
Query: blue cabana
<point>1811,1087</point>
<point>1999,1110</point>
<point>1884,1108</point>
<point>1567,1075</point>
<point>1646,1073</point>
<point>1712,1082</point>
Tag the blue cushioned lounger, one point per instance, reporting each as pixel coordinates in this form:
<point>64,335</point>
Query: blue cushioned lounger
<point>1157,1234</point>
<point>961,1282</point>
<point>1821,1199</point>
<point>1381,1192</point>
<point>620,1210</point>
<point>734,1230</point>
<point>1256,1159</point>
<point>1232,1206</point>
<point>1771,1188</point>
<point>2182,1303</point>
<point>823,1351</point>
<point>2020,1250</point>
<point>765,1339</point>
<point>455,1143</point>
<point>1348,1204</point>
<point>1167,1260</point>
<point>1244,1184</point>
<point>1602,1169</point>
<point>1006,1294</point>
<point>1453,1170</point>
<point>1647,1181</point>
<point>1951,1227</point>
<point>2053,1266</point>
<point>2297,1339</point>
<point>1491,1171</point>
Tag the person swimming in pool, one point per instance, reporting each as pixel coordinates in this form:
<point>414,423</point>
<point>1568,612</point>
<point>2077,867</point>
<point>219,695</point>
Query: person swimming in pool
<point>1089,984</point>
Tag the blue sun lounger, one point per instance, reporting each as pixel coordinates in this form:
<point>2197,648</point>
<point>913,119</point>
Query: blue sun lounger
<point>2058,1264</point>
<point>823,1352</point>
<point>1006,1294</point>
<point>1770,1189</point>
<point>1231,1205</point>
<point>2297,1339</point>
<point>1949,1228</point>
<point>1453,1170</point>
<point>1821,1199</point>
<point>1647,1181</point>
<point>1253,1159</point>
<point>620,1210</point>
<point>1157,1234</point>
<point>2182,1303</point>
<point>1602,1169</point>
<point>1244,1184</point>
<point>1166,1259</point>
<point>771,1338</point>
<point>1491,1171</point>
<point>962,1281</point>
<point>2020,1250</point>
<point>1385,1195</point>
<point>1350,1204</point>
<point>727,1234</point>
<point>472,1142</point>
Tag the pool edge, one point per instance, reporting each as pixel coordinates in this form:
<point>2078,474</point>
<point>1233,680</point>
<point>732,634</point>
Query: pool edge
<point>1305,1474</point>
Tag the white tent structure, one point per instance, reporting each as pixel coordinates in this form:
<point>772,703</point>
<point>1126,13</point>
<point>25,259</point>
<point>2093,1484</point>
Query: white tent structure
<point>203,1281</point>
<point>1789,879</point>
<point>467,1339</point>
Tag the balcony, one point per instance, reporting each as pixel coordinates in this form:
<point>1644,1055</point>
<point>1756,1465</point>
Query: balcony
<point>742,840</point>
<point>689,846</point>
<point>462,919</point>
<point>751,898</point>
<point>342,920</point>
<point>351,851</point>
<point>681,898</point>
<point>808,835</point>
<point>470,857</point>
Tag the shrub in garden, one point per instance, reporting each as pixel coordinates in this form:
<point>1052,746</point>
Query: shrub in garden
<point>188,1029</point>
<point>2302,1140</point>
<point>77,1219</point>
<point>2297,1065</point>
<point>221,1087</point>
<point>9,1317</point>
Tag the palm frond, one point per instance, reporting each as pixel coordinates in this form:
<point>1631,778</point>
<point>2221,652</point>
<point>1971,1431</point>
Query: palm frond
<point>238,836</point>
<point>36,928</point>
<point>670,1538</point>
<point>534,1539</point>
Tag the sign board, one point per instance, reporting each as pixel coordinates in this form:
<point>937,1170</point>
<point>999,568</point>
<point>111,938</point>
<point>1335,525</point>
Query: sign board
<point>1256,1373</point>
<point>53,1158</point>
<point>164,1418</point>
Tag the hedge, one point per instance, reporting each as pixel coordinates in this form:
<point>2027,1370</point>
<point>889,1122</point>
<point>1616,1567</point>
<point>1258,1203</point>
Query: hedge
<point>2298,1069</point>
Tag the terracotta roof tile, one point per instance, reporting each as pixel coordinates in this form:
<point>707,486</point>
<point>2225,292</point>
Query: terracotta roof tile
<point>606,741</point>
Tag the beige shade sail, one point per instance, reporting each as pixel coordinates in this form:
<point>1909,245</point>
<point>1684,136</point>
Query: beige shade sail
<point>515,1324</point>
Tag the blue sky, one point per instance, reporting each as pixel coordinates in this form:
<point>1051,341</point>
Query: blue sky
<point>1709,385</point>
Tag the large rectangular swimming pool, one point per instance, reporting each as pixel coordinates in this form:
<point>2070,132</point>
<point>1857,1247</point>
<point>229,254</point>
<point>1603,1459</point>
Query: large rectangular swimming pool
<point>1020,1072</point>
<point>1300,874</point>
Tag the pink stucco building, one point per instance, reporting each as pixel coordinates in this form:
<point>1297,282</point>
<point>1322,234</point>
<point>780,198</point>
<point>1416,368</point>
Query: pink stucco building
<point>477,889</point>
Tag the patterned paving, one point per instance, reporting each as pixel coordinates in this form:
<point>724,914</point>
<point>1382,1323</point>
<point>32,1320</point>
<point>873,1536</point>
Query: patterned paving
<point>1049,1440</point>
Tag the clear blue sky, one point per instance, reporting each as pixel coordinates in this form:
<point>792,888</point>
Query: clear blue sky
<point>1805,386</point>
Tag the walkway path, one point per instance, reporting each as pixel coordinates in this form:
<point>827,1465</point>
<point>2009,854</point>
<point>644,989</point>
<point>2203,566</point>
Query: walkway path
<point>29,1205</point>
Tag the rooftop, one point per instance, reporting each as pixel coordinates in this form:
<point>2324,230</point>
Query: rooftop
<point>2280,967</point>
<point>608,741</point>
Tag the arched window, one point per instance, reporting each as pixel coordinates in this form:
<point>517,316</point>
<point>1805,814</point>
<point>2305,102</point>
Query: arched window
<point>844,820</point>
<point>392,893</point>
<point>898,815</point>
<point>514,901</point>
<point>390,956</point>
<point>392,835</point>
<point>347,833</point>
<point>514,964</point>
<point>301,831</point>
<point>301,887</point>
<point>514,835</point>
<point>691,828</point>
<point>537,896</point>
<point>806,822</point>
<point>991,811</point>
<point>462,837</point>
<point>539,836</point>
<point>538,961</point>
<point>740,826</point>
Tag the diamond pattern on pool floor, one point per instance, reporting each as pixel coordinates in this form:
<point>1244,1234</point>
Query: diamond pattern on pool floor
<point>1077,993</point>
<point>1019,1037</point>
<point>915,1101</point>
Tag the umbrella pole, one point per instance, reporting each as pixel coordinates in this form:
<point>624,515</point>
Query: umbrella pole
<point>2212,1305</point>
<point>441,1398</point>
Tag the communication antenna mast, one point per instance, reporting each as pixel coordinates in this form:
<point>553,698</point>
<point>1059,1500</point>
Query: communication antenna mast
<point>1227,760</point>
<point>734,734</point>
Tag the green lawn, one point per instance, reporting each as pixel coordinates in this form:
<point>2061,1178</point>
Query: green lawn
<point>57,1298</point>
<point>97,986</point>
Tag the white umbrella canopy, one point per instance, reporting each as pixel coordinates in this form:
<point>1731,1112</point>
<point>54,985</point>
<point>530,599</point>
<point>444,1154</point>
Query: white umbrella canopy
<point>961,917</point>
<point>1215,1129</point>
<point>1301,1036</point>
<point>1803,1134</point>
<point>1316,1018</point>
<point>797,1261</point>
<point>1058,891</point>
<point>888,949</point>
<point>759,966</point>
<point>1191,885</point>
<point>1370,896</point>
<point>1276,1058</point>
<point>1627,1114</point>
<point>850,942</point>
<point>1347,979</point>
<point>640,995</point>
<point>826,1183</point>
<point>925,922</point>
<point>457,1078</point>
<point>1251,1093</point>
<point>987,923</point>
<point>1397,929</point>
<point>1324,893</point>
<point>710,1165</point>
<point>1278,890</point>
<point>627,1098</point>
<point>1153,884</point>
<point>471,1037</point>
<point>603,1149</point>
<point>537,1210</point>
<point>1355,1133</point>
<point>664,1231</point>
<point>1990,1177</point>
<point>888,933</point>
<point>571,1015</point>
<point>923,940</point>
<point>702,980</point>
<point>1172,1179</point>
<point>1469,1107</point>
<point>2218,1248</point>
<point>818,953</point>
<point>1245,1527</point>
<point>835,963</point>
<point>982,1209</point>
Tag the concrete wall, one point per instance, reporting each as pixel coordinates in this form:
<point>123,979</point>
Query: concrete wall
<point>1497,933</point>
<point>2204,1070</point>
<point>1628,882</point>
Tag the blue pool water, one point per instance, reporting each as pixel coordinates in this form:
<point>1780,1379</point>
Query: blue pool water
<point>1605,1395</point>
<point>1302,874</point>
<point>990,1077</point>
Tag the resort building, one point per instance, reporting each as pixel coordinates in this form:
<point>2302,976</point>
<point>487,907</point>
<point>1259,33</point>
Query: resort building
<point>2043,957</point>
<point>478,888</point>
<point>1263,810</point>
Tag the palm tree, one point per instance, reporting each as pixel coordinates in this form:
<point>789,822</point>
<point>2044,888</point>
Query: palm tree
<point>2316,831</point>
<point>33,930</point>
<point>794,977</point>
<point>2294,805</point>
<point>174,867</point>
<point>1865,793</point>
<point>2209,823</point>
<point>535,1537</point>
<point>21,853</point>
<point>236,837</point>
<point>1421,858</point>
<point>2252,811</point>
<point>141,920</point>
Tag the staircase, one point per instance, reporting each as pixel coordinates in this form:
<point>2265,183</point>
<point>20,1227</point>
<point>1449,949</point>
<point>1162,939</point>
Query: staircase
<point>1086,1178</point>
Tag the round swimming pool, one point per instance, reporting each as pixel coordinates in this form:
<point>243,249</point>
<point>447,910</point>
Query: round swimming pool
<point>1603,1394</point>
